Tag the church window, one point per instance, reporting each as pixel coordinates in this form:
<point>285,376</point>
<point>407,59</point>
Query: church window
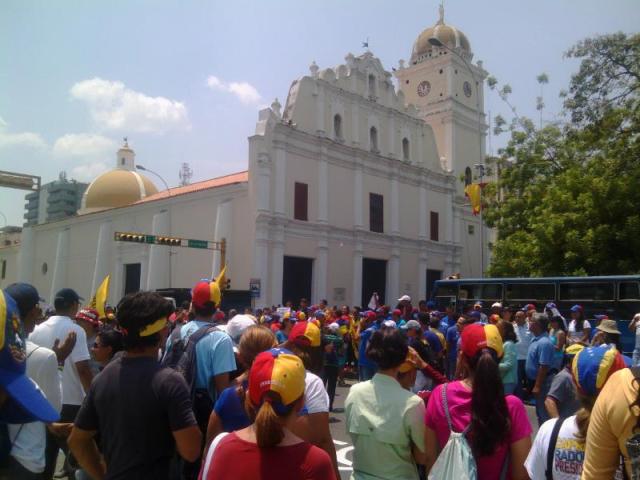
<point>373,139</point>
<point>405,148</point>
<point>372,86</point>
<point>122,161</point>
<point>440,71</point>
<point>337,126</point>
<point>376,213</point>
<point>435,224</point>
<point>467,176</point>
<point>300,201</point>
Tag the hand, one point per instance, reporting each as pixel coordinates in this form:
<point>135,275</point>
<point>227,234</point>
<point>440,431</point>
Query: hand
<point>64,350</point>
<point>62,430</point>
<point>415,359</point>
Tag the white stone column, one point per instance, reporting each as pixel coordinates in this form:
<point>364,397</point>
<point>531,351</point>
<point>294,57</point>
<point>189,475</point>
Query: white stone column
<point>451,222</point>
<point>394,211</point>
<point>358,209</point>
<point>261,265</point>
<point>103,263</point>
<point>277,264</point>
<point>26,256</point>
<point>320,107</point>
<point>323,187</point>
<point>355,124</point>
<point>224,221</point>
<point>422,275</point>
<point>356,294</point>
<point>280,186</point>
<point>393,277</point>
<point>159,268</point>
<point>422,212</point>
<point>264,183</point>
<point>320,267</point>
<point>59,277</point>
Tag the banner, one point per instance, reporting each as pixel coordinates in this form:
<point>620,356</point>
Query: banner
<point>473,192</point>
<point>99,300</point>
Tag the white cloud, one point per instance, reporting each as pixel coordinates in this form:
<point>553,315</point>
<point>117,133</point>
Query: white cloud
<point>113,106</point>
<point>21,139</point>
<point>88,172</point>
<point>244,91</point>
<point>85,145</point>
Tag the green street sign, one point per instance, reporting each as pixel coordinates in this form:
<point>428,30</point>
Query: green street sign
<point>197,243</point>
<point>149,239</point>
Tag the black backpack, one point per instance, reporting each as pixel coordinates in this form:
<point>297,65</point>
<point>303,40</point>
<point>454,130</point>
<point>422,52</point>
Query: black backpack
<point>182,355</point>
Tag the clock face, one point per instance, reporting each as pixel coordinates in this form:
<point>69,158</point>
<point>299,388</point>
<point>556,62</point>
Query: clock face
<point>467,89</point>
<point>424,88</point>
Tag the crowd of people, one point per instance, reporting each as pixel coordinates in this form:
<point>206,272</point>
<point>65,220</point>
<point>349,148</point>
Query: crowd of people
<point>145,390</point>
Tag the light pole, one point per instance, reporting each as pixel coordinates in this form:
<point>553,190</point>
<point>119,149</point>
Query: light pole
<point>144,169</point>
<point>479,166</point>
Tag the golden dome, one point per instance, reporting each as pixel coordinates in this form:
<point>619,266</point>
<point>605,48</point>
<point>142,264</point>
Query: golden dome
<point>117,188</point>
<point>448,35</point>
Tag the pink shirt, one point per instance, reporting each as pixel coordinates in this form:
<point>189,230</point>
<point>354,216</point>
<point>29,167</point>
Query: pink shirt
<point>459,401</point>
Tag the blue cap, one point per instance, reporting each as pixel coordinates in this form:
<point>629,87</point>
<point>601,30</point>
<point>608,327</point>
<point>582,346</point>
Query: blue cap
<point>431,304</point>
<point>550,305</point>
<point>576,308</point>
<point>26,403</point>
<point>68,296</point>
<point>318,314</point>
<point>25,296</point>
<point>476,314</point>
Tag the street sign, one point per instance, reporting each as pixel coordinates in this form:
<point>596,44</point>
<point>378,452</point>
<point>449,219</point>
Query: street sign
<point>19,181</point>
<point>254,287</point>
<point>191,243</point>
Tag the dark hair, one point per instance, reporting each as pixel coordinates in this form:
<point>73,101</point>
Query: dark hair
<point>579,321</point>
<point>490,421</point>
<point>507,331</point>
<point>206,310</point>
<point>136,311</point>
<point>63,306</point>
<point>110,337</point>
<point>185,305</point>
<point>558,319</point>
<point>312,357</point>
<point>583,415</point>
<point>387,348</point>
<point>424,317</point>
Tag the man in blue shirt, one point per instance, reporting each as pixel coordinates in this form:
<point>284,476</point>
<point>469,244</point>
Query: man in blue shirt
<point>366,368</point>
<point>452,336</point>
<point>448,320</point>
<point>539,367</point>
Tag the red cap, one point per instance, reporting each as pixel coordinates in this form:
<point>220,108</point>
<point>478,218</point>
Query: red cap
<point>219,316</point>
<point>89,315</point>
<point>397,312</point>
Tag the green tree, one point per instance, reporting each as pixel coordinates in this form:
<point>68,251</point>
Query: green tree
<point>568,199</point>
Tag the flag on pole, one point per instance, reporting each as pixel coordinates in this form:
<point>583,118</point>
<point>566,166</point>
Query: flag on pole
<point>373,303</point>
<point>473,192</point>
<point>99,299</point>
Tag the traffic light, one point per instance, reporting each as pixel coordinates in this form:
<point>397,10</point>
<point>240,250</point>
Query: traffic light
<point>170,241</point>
<point>131,237</point>
<point>227,285</point>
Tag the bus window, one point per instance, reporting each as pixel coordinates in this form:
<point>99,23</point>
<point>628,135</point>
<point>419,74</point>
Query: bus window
<point>629,291</point>
<point>530,291</point>
<point>446,290</point>
<point>586,291</point>
<point>480,291</point>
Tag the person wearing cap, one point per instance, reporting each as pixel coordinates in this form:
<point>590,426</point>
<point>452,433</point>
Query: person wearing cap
<point>25,405</point>
<point>524,336</point>
<point>333,359</point>
<point>477,307</point>
<point>76,373</point>
<point>384,420</point>
<point>433,337</point>
<point>447,320</point>
<point>579,330</point>
<point>540,366</point>
<point>496,309</point>
<point>269,448</point>
<point>88,319</point>
<point>428,376</point>
<point>497,424</point>
<point>368,325</point>
<point>141,411</point>
<point>591,370</point>
<point>607,333</point>
<point>507,313</point>
<point>634,327</point>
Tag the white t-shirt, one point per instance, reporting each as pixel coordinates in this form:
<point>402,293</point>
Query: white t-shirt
<point>58,327</point>
<point>316,398</point>
<point>568,455</point>
<point>28,443</point>
<point>576,336</point>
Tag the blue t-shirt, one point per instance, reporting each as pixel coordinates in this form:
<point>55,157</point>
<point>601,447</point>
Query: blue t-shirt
<point>541,352</point>
<point>452,337</point>
<point>364,341</point>
<point>214,355</point>
<point>444,325</point>
<point>231,411</point>
<point>434,341</point>
<point>281,337</point>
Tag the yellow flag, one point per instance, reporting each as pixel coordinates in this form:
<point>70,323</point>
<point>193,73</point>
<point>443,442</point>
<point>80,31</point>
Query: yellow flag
<point>473,191</point>
<point>99,300</point>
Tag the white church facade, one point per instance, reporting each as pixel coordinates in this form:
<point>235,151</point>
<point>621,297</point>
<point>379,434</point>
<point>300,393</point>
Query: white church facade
<point>354,186</point>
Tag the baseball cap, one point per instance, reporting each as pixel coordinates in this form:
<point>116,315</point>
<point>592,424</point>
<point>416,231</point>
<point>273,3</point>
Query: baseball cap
<point>431,304</point>
<point>412,324</point>
<point>279,371</point>
<point>404,298</point>
<point>89,315</point>
<point>25,403</point>
<point>318,314</point>
<point>477,304</point>
<point>306,334</point>
<point>237,325</point>
<point>476,315</point>
<point>576,308</point>
<point>528,306</point>
<point>592,367</point>
<point>25,295</point>
<point>67,296</point>
<point>389,324</point>
<point>219,316</point>
<point>334,327</point>
<point>496,305</point>
<point>475,337</point>
<point>574,349</point>
<point>370,315</point>
<point>205,292</point>
<point>550,306</point>
<point>609,326</point>
<point>495,318</point>
<point>397,312</point>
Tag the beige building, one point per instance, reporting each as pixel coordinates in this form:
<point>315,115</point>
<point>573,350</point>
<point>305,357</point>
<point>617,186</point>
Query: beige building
<point>354,186</point>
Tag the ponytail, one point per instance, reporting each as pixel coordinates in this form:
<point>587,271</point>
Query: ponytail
<point>268,419</point>
<point>583,416</point>
<point>490,421</point>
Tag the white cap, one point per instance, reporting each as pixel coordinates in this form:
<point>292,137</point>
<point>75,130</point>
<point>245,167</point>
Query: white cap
<point>334,327</point>
<point>496,305</point>
<point>390,323</point>
<point>238,324</point>
<point>404,298</point>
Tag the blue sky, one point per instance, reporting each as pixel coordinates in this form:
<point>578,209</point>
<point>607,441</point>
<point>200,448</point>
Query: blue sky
<point>185,80</point>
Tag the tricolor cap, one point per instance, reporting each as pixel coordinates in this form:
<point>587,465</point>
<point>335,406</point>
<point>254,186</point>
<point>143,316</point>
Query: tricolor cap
<point>476,337</point>
<point>576,308</point>
<point>592,367</point>
<point>89,315</point>
<point>573,350</point>
<point>305,334</point>
<point>301,316</point>
<point>25,403</point>
<point>279,371</point>
<point>410,362</point>
<point>205,292</point>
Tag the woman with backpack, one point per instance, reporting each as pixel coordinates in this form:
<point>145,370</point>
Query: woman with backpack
<point>565,438</point>
<point>491,430</point>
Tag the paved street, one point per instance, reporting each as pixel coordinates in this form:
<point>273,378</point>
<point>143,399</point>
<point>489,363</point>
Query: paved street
<point>343,442</point>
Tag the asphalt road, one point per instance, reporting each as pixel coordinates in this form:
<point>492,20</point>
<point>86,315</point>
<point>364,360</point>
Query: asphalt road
<point>343,442</point>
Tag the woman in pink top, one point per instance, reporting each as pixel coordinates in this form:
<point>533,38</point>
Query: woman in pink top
<point>498,423</point>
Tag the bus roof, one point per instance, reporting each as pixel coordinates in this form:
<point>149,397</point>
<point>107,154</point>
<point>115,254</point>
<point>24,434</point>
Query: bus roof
<point>607,278</point>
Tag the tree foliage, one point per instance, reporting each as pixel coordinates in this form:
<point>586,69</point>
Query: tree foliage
<point>567,201</point>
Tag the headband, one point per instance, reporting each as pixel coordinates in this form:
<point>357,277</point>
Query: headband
<point>154,327</point>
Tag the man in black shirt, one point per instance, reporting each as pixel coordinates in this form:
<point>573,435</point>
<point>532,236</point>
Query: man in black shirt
<point>140,410</point>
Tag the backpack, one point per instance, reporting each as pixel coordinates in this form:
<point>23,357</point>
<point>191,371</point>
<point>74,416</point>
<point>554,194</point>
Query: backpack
<point>182,355</point>
<point>456,461</point>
